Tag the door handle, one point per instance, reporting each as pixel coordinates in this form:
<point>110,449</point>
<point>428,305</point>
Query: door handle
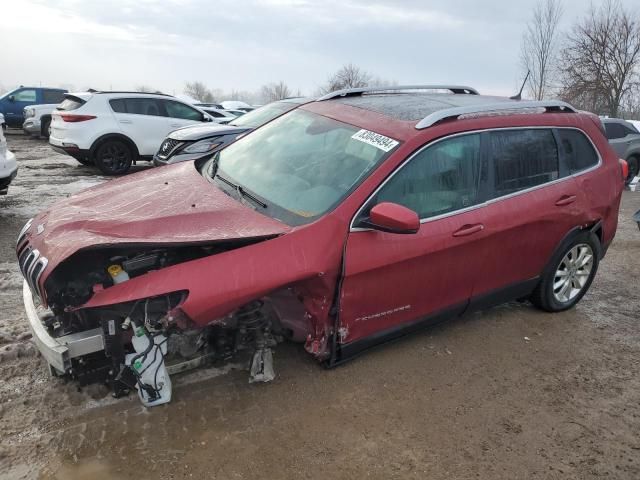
<point>468,230</point>
<point>565,200</point>
<point>126,121</point>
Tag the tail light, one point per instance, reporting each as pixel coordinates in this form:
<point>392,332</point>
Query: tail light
<point>624,168</point>
<point>74,118</point>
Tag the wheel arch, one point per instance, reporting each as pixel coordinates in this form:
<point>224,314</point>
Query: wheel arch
<point>114,136</point>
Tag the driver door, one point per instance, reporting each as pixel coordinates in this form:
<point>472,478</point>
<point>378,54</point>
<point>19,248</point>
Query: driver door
<point>393,280</point>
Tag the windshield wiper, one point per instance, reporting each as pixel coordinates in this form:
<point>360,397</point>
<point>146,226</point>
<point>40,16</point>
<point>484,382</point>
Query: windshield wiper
<point>242,193</point>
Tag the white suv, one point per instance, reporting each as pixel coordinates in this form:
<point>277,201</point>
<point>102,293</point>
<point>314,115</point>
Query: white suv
<point>8,165</point>
<point>113,130</point>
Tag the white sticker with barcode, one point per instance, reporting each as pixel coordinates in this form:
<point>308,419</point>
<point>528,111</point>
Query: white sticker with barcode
<point>372,138</point>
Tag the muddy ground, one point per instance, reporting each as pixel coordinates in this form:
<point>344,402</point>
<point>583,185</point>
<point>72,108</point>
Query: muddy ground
<point>510,393</point>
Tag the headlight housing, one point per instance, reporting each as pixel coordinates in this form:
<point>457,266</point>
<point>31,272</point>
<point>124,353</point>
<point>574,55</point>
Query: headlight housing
<point>203,146</point>
<point>29,112</point>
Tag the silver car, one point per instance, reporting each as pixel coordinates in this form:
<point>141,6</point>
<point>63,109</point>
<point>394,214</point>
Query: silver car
<point>624,137</point>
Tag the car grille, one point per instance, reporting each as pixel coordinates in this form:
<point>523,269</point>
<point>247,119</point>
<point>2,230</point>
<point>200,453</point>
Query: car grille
<point>168,147</point>
<point>32,265</point>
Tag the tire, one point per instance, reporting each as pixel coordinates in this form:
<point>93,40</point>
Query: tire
<point>113,157</point>
<point>45,129</point>
<point>553,296</point>
<point>634,168</point>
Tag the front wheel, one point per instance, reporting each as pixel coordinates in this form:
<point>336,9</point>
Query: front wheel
<point>113,157</point>
<point>45,130</point>
<point>572,270</point>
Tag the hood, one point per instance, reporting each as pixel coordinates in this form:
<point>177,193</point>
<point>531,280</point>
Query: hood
<point>169,205</point>
<point>198,132</point>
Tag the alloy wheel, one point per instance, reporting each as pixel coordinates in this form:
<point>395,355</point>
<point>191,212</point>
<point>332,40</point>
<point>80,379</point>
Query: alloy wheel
<point>573,273</point>
<point>115,157</point>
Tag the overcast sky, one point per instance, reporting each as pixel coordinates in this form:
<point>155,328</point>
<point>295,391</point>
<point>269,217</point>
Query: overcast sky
<point>242,44</point>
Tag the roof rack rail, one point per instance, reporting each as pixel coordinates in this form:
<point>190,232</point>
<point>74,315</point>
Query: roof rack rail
<point>509,107</point>
<point>124,91</point>
<point>350,92</point>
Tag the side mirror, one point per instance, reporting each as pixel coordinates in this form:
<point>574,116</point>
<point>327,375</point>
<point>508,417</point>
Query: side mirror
<point>12,98</point>
<point>392,218</point>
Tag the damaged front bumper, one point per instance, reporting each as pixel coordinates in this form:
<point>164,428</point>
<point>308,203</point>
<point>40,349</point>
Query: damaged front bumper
<point>59,352</point>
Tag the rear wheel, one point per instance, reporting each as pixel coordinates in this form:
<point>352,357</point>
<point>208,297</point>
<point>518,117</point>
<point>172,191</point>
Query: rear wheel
<point>113,157</point>
<point>571,272</point>
<point>634,168</point>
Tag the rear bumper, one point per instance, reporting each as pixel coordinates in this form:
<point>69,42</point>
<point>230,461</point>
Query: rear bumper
<point>59,352</point>
<point>75,152</point>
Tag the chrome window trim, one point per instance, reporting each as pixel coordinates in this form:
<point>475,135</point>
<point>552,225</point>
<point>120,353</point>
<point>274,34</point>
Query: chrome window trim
<point>488,202</point>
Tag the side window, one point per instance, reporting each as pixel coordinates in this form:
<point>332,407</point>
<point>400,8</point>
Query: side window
<point>522,159</point>
<point>117,105</point>
<point>52,96</point>
<point>578,151</point>
<point>629,129</point>
<point>137,106</point>
<point>614,130</point>
<point>180,110</point>
<point>440,179</point>
<point>25,95</point>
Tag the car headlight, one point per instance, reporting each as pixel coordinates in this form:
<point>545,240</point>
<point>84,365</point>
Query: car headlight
<point>203,146</point>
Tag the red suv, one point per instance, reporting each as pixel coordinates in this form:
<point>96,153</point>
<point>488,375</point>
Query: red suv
<point>345,223</point>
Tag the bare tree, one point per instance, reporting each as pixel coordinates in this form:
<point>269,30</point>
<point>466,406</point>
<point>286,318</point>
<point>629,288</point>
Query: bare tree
<point>538,52</point>
<point>275,91</point>
<point>349,76</point>
<point>601,60</point>
<point>199,91</point>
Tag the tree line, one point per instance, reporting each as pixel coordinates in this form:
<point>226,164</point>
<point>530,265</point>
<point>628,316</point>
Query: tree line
<point>594,65</point>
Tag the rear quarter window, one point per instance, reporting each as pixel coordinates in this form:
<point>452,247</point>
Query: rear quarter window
<point>578,150</point>
<point>52,96</point>
<point>523,159</point>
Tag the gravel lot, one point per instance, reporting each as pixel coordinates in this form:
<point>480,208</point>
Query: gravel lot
<point>510,393</point>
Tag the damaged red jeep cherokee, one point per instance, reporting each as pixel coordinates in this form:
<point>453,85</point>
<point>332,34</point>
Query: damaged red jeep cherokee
<point>343,224</point>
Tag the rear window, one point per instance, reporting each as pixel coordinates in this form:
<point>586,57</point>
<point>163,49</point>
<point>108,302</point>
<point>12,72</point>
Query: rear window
<point>52,96</point>
<point>523,159</point>
<point>578,150</point>
<point>70,103</point>
<point>614,130</point>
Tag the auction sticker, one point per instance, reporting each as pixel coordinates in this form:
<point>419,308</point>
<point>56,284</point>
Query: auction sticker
<point>372,138</point>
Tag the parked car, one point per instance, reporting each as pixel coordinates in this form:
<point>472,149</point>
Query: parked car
<point>624,137</point>
<point>37,119</point>
<point>114,130</point>
<point>13,103</point>
<point>236,113</point>
<point>217,106</point>
<point>8,165</point>
<point>344,223</point>
<point>236,105</point>
<point>3,124</point>
<point>201,142</point>
<point>218,115</point>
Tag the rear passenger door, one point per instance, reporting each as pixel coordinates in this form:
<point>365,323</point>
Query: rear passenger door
<point>143,120</point>
<point>533,202</point>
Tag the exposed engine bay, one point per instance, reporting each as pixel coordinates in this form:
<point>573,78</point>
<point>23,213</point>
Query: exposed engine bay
<point>150,339</point>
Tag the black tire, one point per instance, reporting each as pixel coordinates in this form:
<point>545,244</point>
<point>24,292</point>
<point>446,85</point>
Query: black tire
<point>545,296</point>
<point>634,168</point>
<point>45,128</point>
<point>113,157</point>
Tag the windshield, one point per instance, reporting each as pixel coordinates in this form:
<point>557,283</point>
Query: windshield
<point>302,164</point>
<point>262,115</point>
